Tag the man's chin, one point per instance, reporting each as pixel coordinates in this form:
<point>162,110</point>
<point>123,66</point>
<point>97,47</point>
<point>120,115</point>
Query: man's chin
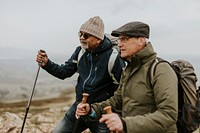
<point>123,56</point>
<point>84,46</point>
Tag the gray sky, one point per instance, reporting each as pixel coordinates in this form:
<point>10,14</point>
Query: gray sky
<point>53,24</point>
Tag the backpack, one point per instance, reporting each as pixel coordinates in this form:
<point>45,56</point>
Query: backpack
<point>113,56</point>
<point>188,94</point>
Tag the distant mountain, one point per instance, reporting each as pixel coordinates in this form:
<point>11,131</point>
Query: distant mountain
<point>18,70</point>
<point>14,53</point>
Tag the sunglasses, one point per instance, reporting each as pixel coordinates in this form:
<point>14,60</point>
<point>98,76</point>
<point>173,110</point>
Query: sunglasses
<point>85,35</point>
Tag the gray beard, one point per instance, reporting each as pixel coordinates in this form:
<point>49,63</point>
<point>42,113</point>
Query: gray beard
<point>84,45</point>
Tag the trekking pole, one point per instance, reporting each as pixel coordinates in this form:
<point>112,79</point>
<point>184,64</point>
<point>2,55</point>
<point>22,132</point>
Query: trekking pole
<point>30,99</point>
<point>108,110</point>
<point>84,100</point>
<point>198,97</point>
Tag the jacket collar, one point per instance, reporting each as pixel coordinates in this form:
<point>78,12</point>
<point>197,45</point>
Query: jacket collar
<point>106,44</point>
<point>144,55</point>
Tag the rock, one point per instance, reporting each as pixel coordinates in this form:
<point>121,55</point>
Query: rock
<point>42,117</point>
<point>11,123</point>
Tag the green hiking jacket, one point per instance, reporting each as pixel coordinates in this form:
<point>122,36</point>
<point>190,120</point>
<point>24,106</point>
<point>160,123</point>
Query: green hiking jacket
<point>145,109</point>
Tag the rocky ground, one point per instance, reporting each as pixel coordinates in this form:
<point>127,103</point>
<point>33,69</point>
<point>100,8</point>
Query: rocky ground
<point>42,116</point>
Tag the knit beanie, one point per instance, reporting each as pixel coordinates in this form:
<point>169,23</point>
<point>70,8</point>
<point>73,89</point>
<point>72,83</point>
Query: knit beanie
<point>94,26</point>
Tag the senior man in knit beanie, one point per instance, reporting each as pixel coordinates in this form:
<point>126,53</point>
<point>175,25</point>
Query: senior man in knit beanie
<point>90,61</point>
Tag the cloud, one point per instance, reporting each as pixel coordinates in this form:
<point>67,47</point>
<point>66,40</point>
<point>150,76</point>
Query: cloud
<point>53,24</point>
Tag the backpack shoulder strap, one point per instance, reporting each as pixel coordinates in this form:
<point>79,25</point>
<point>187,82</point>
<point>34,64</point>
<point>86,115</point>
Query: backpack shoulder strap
<point>112,59</point>
<point>111,63</point>
<point>152,69</point>
<point>80,54</point>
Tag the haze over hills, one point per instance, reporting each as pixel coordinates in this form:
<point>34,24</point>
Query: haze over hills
<point>18,70</point>
<point>18,73</point>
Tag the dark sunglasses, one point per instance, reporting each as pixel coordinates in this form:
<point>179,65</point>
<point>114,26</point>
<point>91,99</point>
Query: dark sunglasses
<point>85,35</point>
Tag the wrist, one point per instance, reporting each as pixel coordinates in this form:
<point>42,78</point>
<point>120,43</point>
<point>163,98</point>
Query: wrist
<point>123,124</point>
<point>92,113</point>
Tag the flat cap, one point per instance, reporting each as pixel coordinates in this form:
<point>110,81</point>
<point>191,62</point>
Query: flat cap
<point>133,29</point>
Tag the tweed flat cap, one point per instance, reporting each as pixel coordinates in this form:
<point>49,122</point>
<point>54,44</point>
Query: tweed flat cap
<point>133,29</point>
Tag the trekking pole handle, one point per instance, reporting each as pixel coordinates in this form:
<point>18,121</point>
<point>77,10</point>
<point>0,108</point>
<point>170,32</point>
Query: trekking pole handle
<point>108,109</point>
<point>42,51</point>
<point>85,96</point>
<point>84,100</point>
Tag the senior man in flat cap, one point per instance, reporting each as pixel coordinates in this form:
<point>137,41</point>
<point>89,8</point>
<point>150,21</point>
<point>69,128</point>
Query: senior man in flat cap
<point>147,106</point>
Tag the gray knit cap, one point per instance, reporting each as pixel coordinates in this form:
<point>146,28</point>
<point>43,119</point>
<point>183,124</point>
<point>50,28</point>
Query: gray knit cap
<point>94,26</point>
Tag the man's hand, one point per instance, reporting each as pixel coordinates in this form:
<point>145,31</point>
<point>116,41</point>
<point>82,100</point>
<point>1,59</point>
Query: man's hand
<point>82,109</point>
<point>113,122</point>
<point>42,58</point>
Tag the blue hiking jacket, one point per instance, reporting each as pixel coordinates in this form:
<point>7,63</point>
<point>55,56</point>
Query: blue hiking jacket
<point>92,68</point>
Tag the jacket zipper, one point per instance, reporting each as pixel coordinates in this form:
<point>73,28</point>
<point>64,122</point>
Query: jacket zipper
<point>95,71</point>
<point>90,56</point>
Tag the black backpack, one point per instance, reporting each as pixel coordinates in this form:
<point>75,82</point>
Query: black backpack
<point>188,94</point>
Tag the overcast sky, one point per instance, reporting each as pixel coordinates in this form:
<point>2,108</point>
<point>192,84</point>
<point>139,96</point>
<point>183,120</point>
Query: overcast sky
<point>53,25</point>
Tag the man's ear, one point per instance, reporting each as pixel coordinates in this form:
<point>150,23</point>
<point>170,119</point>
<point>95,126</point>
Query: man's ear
<point>99,41</point>
<point>142,41</point>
